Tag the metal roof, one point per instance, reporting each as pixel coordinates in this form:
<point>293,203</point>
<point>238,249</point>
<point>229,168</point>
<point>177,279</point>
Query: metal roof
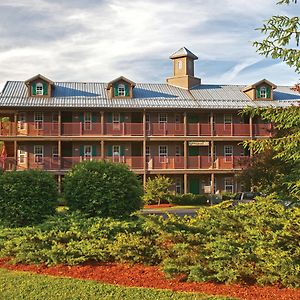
<point>183,52</point>
<point>146,95</point>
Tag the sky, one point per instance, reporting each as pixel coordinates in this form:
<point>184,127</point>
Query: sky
<point>99,40</point>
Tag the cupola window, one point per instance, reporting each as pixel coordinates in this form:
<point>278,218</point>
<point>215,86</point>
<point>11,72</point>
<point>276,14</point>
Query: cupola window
<point>121,90</point>
<point>39,89</point>
<point>180,64</point>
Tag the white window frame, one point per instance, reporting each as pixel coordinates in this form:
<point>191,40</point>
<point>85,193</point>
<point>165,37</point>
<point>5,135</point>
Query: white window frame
<point>54,152</point>
<point>39,120</point>
<point>162,118</point>
<point>21,120</point>
<point>38,154</point>
<point>87,155</point>
<point>177,150</point>
<point>179,64</point>
<point>228,184</point>
<point>163,153</point>
<point>39,89</point>
<point>116,118</point>
<point>263,92</point>
<point>116,150</point>
<point>178,186</point>
<point>22,155</point>
<point>209,151</point>
<point>227,119</point>
<point>148,151</point>
<point>87,120</point>
<point>121,89</point>
<point>228,152</point>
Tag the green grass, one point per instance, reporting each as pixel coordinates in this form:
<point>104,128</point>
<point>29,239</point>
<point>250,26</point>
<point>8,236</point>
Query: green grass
<point>21,285</point>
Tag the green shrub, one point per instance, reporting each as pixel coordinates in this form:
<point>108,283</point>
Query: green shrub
<point>26,197</point>
<point>100,188</point>
<point>157,190</point>
<point>189,199</point>
<point>228,196</point>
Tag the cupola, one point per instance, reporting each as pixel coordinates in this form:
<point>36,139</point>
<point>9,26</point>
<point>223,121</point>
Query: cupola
<point>183,69</point>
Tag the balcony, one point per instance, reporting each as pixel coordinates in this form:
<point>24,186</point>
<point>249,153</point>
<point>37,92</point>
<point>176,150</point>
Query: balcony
<point>132,129</point>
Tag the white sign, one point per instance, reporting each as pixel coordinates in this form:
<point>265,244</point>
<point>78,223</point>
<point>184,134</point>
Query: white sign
<point>198,143</point>
<point>207,189</point>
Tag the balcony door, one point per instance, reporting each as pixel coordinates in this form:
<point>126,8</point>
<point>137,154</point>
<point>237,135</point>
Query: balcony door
<point>22,125</point>
<point>116,153</point>
<point>87,152</point>
<point>22,158</point>
<point>163,153</point>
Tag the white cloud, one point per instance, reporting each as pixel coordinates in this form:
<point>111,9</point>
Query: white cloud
<point>96,40</point>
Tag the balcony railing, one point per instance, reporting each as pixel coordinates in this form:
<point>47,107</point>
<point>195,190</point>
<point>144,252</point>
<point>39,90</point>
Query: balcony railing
<point>131,129</point>
<point>134,162</point>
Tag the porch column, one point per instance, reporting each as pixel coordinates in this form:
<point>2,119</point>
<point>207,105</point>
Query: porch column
<point>59,123</point>
<point>144,148</point>
<point>59,154</point>
<point>16,154</point>
<point>185,157</point>
<point>102,149</point>
<point>211,119</point>
<point>102,122</point>
<point>251,132</point>
<point>59,183</point>
<point>212,157</point>
<point>15,127</point>
<point>185,124</point>
<point>212,182</point>
<point>185,183</point>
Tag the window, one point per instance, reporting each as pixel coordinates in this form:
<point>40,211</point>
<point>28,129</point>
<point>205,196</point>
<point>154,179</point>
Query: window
<point>209,151</point>
<point>121,90</point>
<point>163,118</point>
<point>87,121</point>
<point>116,118</point>
<point>87,150</point>
<point>177,119</point>
<point>163,154</point>
<point>148,151</point>
<point>263,92</point>
<point>228,152</point>
<point>179,64</point>
<point>21,120</point>
<point>38,120</point>
<point>227,119</point>
<point>177,150</point>
<point>55,153</point>
<point>116,150</point>
<point>39,89</point>
<point>228,184</point>
<point>22,155</point>
<point>38,154</point>
<point>178,186</point>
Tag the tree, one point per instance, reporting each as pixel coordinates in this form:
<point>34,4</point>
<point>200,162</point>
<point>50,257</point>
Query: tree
<point>104,189</point>
<point>283,33</point>
<point>158,190</point>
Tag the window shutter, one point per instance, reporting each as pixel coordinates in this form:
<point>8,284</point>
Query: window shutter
<point>81,117</point>
<point>33,89</point>
<point>257,93</point>
<point>109,117</point>
<point>94,150</point>
<point>109,150</point>
<point>193,151</point>
<point>81,150</point>
<point>116,92</point>
<point>126,90</point>
<point>94,118</point>
<point>122,117</point>
<point>45,89</point>
<point>122,150</point>
<point>268,92</point>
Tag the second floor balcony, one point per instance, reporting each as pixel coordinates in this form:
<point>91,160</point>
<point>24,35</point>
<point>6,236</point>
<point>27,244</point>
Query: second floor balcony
<point>45,129</point>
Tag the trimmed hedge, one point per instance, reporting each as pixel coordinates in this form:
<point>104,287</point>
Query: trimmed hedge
<point>26,197</point>
<point>104,189</point>
<point>188,199</point>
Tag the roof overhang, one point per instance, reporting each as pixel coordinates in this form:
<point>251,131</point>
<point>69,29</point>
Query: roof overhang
<point>39,76</point>
<point>254,85</point>
<point>109,85</point>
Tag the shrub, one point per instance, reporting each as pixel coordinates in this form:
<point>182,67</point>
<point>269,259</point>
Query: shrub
<point>189,199</point>
<point>228,196</point>
<point>100,188</point>
<point>26,197</point>
<point>157,190</point>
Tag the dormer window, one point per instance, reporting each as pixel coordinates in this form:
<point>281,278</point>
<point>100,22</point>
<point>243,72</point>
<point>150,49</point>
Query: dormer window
<point>121,90</point>
<point>263,92</point>
<point>39,89</point>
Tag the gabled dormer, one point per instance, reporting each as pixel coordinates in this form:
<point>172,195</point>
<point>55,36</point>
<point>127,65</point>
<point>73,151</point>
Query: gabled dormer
<point>261,90</point>
<point>120,87</point>
<point>39,86</point>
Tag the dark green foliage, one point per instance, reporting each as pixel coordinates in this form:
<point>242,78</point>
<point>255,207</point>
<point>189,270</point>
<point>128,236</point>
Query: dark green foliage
<point>74,239</point>
<point>189,199</point>
<point>228,196</point>
<point>100,188</point>
<point>256,243</point>
<point>26,197</point>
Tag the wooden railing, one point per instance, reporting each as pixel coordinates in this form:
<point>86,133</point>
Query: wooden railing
<point>131,129</point>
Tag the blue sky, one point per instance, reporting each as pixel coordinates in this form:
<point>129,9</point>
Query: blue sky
<point>99,40</point>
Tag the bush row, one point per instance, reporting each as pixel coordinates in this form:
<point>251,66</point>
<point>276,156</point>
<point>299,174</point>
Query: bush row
<point>253,243</point>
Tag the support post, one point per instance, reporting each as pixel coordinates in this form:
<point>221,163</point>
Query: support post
<point>212,182</point>
<point>15,128</point>
<point>185,124</point>
<point>59,123</point>
<point>144,148</point>
<point>185,183</point>
<point>59,154</point>
<point>212,157</point>
<point>102,150</point>
<point>16,154</point>
<point>211,119</point>
<point>102,122</point>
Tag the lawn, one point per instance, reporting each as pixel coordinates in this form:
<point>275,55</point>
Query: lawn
<point>21,285</point>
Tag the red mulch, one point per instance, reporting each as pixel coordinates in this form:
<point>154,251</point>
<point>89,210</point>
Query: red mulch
<point>152,277</point>
<point>159,206</point>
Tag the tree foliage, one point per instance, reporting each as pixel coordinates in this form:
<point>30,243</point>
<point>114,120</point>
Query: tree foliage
<point>100,188</point>
<point>282,38</point>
